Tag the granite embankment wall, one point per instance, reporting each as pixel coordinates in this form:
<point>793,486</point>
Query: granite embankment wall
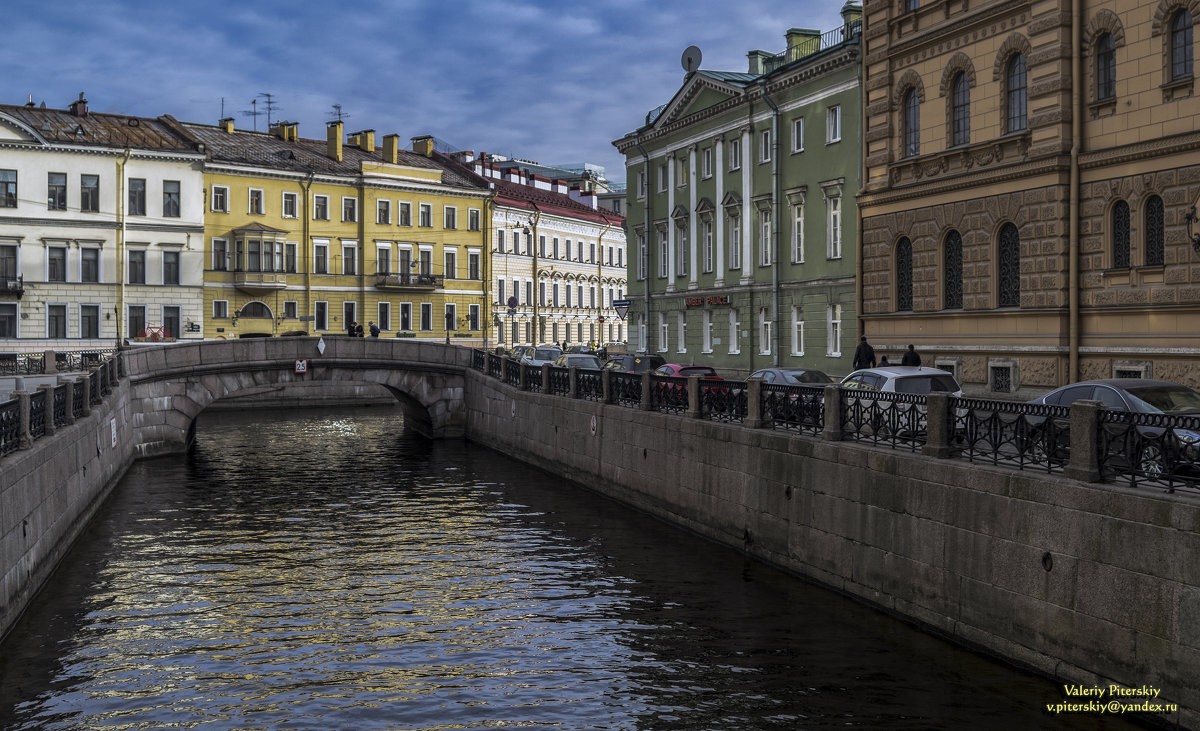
<point>1086,583</point>
<point>49,492</point>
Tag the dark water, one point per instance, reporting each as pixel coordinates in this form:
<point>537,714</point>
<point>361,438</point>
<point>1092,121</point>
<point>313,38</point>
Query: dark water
<point>327,570</point>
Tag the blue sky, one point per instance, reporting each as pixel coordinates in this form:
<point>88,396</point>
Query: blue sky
<point>550,81</point>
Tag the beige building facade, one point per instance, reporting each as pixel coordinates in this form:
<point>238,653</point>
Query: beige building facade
<point>1029,177</point>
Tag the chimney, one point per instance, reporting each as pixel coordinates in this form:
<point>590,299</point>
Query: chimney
<point>757,61</point>
<point>280,129</point>
<point>802,42</point>
<point>333,135</point>
<point>423,145</point>
<point>79,106</point>
<point>851,14</point>
<point>391,148</point>
<point>364,140</point>
<point>226,124</point>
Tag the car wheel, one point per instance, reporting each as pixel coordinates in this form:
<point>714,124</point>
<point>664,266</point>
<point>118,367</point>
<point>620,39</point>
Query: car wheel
<point>1035,446</point>
<point>1151,460</point>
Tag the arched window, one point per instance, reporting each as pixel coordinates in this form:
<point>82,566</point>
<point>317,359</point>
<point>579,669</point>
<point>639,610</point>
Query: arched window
<point>1106,67</point>
<point>904,275</point>
<point>1009,255</point>
<point>1181,46</point>
<point>1016,93</point>
<point>960,109</point>
<point>1155,232</point>
<point>952,271</point>
<point>255,309</point>
<point>1120,235</point>
<point>912,124</point>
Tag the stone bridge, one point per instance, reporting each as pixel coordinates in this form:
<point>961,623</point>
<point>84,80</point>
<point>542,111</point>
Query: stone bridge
<point>171,384</point>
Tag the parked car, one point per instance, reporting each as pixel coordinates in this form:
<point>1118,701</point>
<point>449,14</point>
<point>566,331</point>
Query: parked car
<point>634,362</point>
<point>541,355</point>
<point>583,349</point>
<point>518,351</point>
<point>685,371</point>
<point>895,420</point>
<point>578,360</point>
<point>792,376</point>
<point>903,379</point>
<point>1159,449</point>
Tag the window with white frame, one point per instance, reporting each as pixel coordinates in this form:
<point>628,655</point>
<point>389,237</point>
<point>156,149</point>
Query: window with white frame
<point>664,332</point>
<point>706,233</point>
<point>681,172</point>
<point>662,178</point>
<point>643,343</point>
<point>706,331</point>
<point>833,124</point>
<point>291,309</point>
<point>764,239</point>
<point>290,205</point>
<point>450,262</point>
<point>349,257</point>
<point>834,346</point>
<point>406,316</point>
<point>349,209</point>
<point>798,233</point>
<point>290,264</point>
<point>663,253</point>
<point>321,257</point>
<point>9,317</point>
<point>403,213</point>
<point>682,250</point>
<point>474,270</point>
<point>320,315</point>
<point>643,256</point>
<point>320,208</point>
<point>798,134</point>
<point>220,252</point>
<point>735,154</point>
<point>641,184</point>
<point>384,317</point>
<point>706,166</point>
<point>449,217</point>
<point>735,242</point>
<point>501,295</point>
<point>383,211</point>
<point>383,259</point>
<point>764,331</point>
<point>735,332</point>
<point>472,317</point>
<point>833,222</point>
<point>56,321</point>
<point>427,316</point>
<point>473,219</point>
<point>681,332</point>
<point>501,241</point>
<point>220,309</point>
<point>256,201</point>
<point>797,330</point>
<point>764,146</point>
<point>220,198</point>
<point>425,215</point>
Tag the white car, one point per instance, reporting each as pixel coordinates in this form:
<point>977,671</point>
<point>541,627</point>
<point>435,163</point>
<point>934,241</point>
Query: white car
<point>541,355</point>
<point>885,419</point>
<point>903,379</point>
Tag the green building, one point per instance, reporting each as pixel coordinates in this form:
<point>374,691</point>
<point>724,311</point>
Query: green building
<point>741,216</point>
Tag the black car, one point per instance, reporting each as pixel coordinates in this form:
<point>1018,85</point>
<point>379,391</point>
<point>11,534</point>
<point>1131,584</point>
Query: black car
<point>634,362</point>
<point>793,376</point>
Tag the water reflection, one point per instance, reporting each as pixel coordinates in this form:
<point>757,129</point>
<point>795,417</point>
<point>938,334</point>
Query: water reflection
<point>329,570</point>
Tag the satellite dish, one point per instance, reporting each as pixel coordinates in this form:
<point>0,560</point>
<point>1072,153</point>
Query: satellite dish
<point>691,59</point>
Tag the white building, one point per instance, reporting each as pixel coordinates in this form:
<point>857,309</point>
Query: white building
<point>101,229</point>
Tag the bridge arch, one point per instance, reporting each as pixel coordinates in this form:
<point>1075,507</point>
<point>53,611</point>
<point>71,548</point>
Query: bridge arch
<point>172,384</point>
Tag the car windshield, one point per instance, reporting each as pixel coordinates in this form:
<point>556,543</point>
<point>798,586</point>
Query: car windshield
<point>545,354</point>
<point>697,371</point>
<point>925,384</point>
<point>804,377</point>
<point>1165,399</point>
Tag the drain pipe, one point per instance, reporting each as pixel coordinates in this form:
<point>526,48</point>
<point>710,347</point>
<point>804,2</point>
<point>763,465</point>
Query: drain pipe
<point>762,85</point>
<point>1073,230</point>
<point>122,202</point>
<point>646,224</point>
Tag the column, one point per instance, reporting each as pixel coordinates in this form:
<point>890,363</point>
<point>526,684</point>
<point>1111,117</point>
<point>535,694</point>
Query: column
<point>719,217</point>
<point>693,240</point>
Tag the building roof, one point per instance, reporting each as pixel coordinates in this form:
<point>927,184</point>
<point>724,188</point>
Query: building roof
<point>115,131</point>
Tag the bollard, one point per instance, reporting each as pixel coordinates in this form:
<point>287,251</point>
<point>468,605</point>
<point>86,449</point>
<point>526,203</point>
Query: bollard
<point>833,414</point>
<point>754,418</point>
<point>605,386</point>
<point>1085,458</point>
<point>647,381</point>
<point>69,384</point>
<point>939,425</point>
<point>49,415</point>
<point>573,382</point>
<point>693,393</point>
<point>51,362</point>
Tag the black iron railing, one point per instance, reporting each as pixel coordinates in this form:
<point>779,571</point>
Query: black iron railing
<point>560,381</point>
<point>1157,450</point>
<point>723,400</point>
<point>1025,436</point>
<point>62,397</point>
<point>669,394</point>
<point>588,384</point>
<point>626,388</point>
<point>37,414</point>
<point>10,426</point>
<point>533,377</point>
<point>897,419</point>
<point>793,408</point>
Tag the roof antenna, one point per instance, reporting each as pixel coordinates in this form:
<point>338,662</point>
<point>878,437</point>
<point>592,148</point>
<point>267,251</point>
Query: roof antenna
<point>338,114</point>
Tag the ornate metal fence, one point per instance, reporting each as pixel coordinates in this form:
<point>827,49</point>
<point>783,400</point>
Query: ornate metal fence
<point>533,377</point>
<point>794,408</point>
<point>588,385</point>
<point>62,398</point>
<point>723,400</point>
<point>1156,450</point>
<point>897,419</point>
<point>1009,433</point>
<point>512,372</point>
<point>625,388</point>
<point>37,414</point>
<point>560,381</point>
<point>669,394</point>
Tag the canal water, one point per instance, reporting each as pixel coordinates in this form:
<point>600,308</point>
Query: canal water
<point>330,570</point>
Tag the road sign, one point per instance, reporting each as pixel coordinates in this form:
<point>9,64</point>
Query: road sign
<point>622,307</point>
<point>512,303</point>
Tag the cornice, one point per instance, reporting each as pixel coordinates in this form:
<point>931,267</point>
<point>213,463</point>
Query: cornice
<point>983,180</point>
<point>947,36</point>
<point>1188,142</point>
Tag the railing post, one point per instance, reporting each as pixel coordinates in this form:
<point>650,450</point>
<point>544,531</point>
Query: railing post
<point>1085,457</point>
<point>833,414</point>
<point>70,410</point>
<point>573,382</point>
<point>647,382</point>
<point>87,394</point>
<point>754,418</point>
<point>546,378</point>
<point>522,381</point>
<point>49,362</point>
<point>606,386</point>
<point>24,438</point>
<point>693,394</point>
<point>49,406</point>
<point>939,425</point>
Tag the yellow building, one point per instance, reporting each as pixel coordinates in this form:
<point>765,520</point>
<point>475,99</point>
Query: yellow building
<point>308,236</point>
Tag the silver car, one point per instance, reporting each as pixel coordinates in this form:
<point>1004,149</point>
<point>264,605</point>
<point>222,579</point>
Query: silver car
<point>541,355</point>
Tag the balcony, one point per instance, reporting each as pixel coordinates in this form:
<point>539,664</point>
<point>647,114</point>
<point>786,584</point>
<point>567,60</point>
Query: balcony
<point>408,281</point>
<point>12,285</point>
<point>260,281</point>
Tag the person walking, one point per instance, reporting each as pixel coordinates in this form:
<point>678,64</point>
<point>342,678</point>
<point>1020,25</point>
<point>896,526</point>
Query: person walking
<point>374,329</point>
<point>883,361</point>
<point>864,354</point>
<point>911,357</point>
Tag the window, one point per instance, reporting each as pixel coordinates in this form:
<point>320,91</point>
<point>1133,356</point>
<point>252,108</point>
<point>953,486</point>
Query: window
<point>706,335</point>
<point>89,193</point>
<point>1009,254</point>
<point>136,319</point>
<point>1106,67</point>
<point>451,317</point>
<point>797,330</point>
<point>8,320</point>
<point>56,191</point>
<point>706,235</point>
<point>1181,46</point>
<point>349,210</point>
<point>912,123</point>
<point>349,258</point>
<point>383,317</point>
<point>291,309</point>
<point>1155,232</point>
<point>798,134</point>
<point>321,258</point>
<point>220,199</point>
<point>8,261</point>
<point>450,217</point>
<point>320,208</point>
<point>8,188</point>
<point>1016,99</point>
<point>960,110</point>
<point>89,321</point>
<point>798,233</point>
<point>735,154</point>
<point>220,310</point>
<point>349,314</point>
<point>664,332</point>
<point>450,262</point>
<point>682,249</point>
<point>406,316</point>
<point>383,211</point>
<point>904,275</point>
<point>171,267</point>
<point>910,5</point>
<point>681,332</point>
<point>663,254</point>
<point>290,201</point>
<point>473,219</point>
<point>403,214</point>
<point>735,242</point>
<point>662,178</point>
<point>137,196</point>
<point>383,260</point>
<point>643,256</point>
<point>833,221</point>
<point>735,332</point>
<point>1120,235</point>
<point>705,171</point>
<point>253,255</point>
<point>952,272</point>
<point>473,317</point>
<point>764,146</point>
<point>833,124</point>
<point>764,237</point>
<point>56,321</point>
<point>56,264</point>
<point>290,262</point>
<point>171,321</point>
<point>89,265</point>
<point>641,184</point>
<point>171,199</point>
<point>425,211</point>
<point>764,331</point>
<point>501,241</point>
<point>220,248</point>
<point>834,344</point>
<point>473,268</point>
<point>320,315</point>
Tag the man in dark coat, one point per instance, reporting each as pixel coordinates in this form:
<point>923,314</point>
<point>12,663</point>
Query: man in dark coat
<point>374,329</point>
<point>911,358</point>
<point>864,354</point>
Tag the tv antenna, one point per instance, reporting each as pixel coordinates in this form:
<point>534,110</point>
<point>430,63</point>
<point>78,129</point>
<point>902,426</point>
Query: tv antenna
<point>691,59</point>
<point>338,114</point>
<point>270,104</point>
<point>253,112</point>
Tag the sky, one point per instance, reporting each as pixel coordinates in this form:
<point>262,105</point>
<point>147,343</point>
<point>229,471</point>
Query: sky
<point>545,80</point>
